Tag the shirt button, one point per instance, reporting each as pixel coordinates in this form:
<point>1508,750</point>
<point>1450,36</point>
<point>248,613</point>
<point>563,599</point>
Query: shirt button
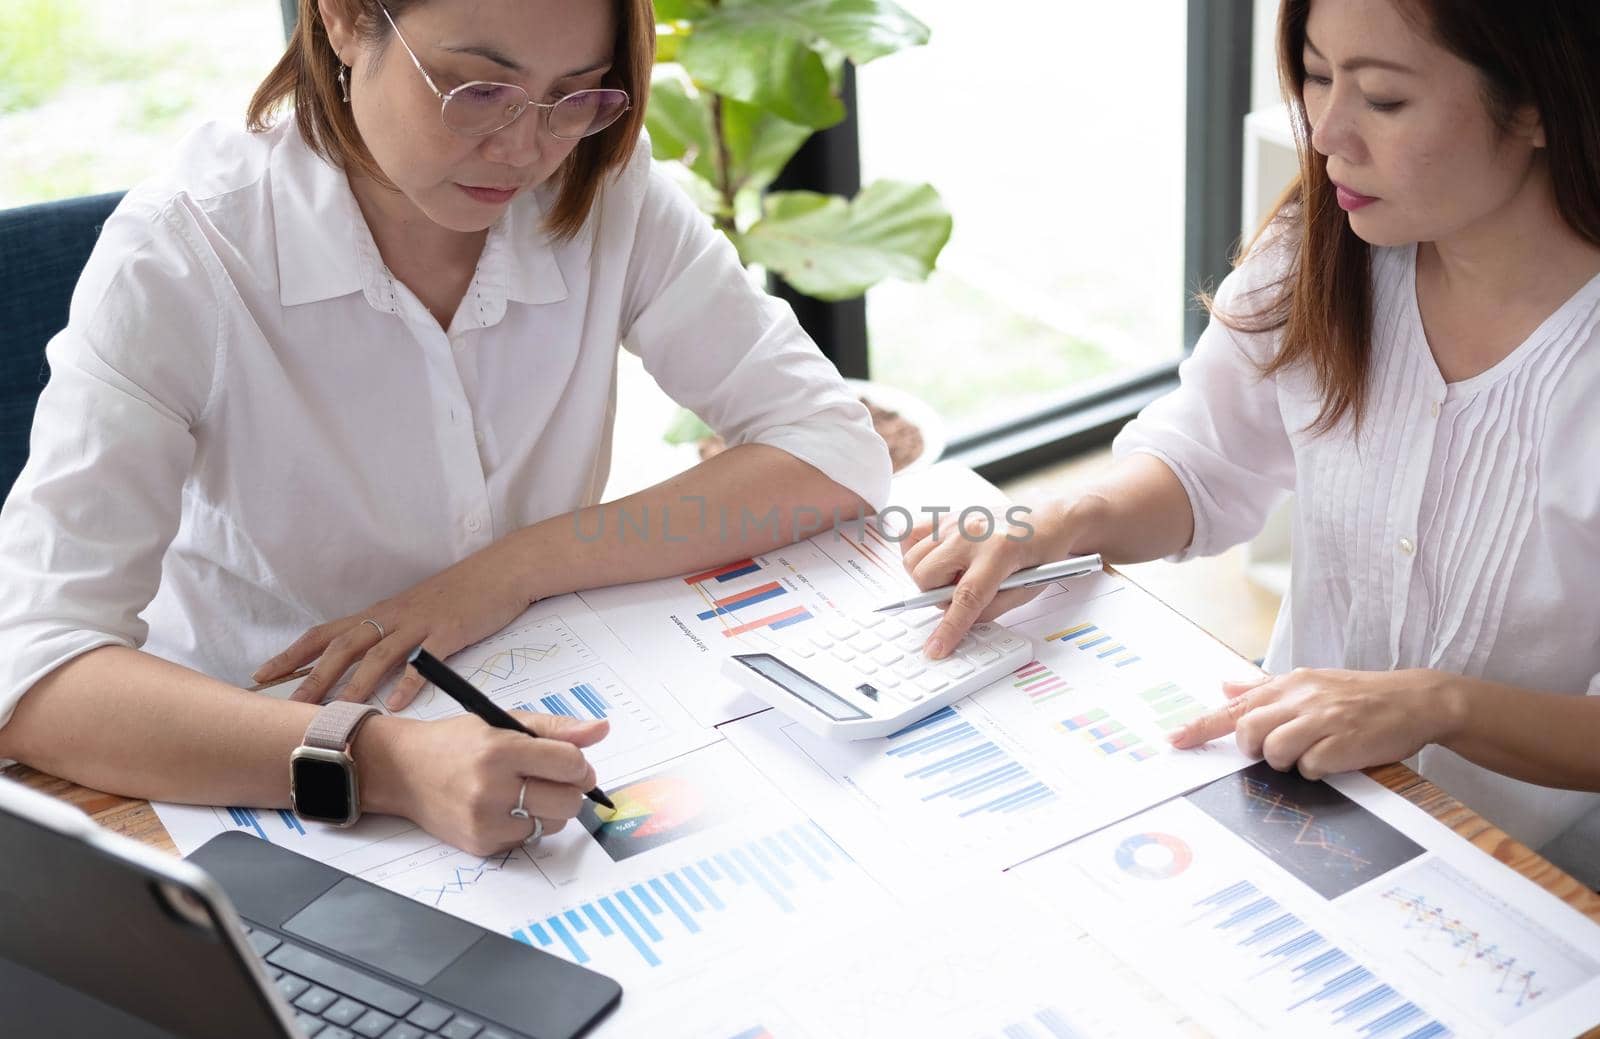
<point>1434,410</point>
<point>1406,545</point>
<point>478,436</point>
<point>474,523</point>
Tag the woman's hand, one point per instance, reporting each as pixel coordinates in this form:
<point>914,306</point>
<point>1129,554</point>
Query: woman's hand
<point>1325,721</point>
<point>451,610</point>
<point>459,779</point>
<point>976,557</point>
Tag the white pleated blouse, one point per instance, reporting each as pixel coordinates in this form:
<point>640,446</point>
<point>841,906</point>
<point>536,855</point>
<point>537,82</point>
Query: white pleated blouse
<point>1458,530</point>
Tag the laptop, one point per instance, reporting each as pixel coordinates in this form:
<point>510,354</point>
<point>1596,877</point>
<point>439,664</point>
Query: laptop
<point>101,935</point>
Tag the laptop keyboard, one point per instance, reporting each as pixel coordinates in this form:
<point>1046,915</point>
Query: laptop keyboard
<point>333,1001</point>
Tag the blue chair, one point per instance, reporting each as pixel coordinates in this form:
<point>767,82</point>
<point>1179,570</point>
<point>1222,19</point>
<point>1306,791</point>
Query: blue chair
<point>42,251</point>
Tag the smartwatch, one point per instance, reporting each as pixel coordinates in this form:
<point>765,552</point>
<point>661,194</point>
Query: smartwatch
<point>322,774</point>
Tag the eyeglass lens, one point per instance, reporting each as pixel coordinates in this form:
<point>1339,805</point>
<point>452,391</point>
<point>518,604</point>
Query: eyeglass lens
<point>483,108</point>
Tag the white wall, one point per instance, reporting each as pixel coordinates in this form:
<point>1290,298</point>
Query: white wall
<point>1264,58</point>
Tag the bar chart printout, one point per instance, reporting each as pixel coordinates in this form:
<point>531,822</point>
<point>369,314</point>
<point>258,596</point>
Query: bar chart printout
<point>703,858</point>
<point>765,605</point>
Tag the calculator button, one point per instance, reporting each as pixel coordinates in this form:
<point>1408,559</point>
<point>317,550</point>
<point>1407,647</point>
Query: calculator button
<point>864,643</point>
<point>980,654</point>
<point>932,682</point>
<point>911,641</point>
<point>925,624</point>
<point>1008,643</point>
<point>843,653</point>
<point>911,667</point>
<point>872,620</point>
<point>865,666</point>
<point>956,667</point>
<point>838,631</point>
<point>887,655</point>
<point>910,692</point>
<point>986,631</point>
<point>800,649</point>
<point>890,629</point>
<point>821,641</point>
<point>886,680</point>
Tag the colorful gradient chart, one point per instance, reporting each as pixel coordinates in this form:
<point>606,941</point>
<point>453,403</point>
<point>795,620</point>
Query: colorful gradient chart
<point>1153,856</point>
<point>1326,989</point>
<point>1173,708</point>
<point>650,813</point>
<point>957,766</point>
<point>251,819</point>
<point>1089,638</point>
<point>770,599</point>
<point>661,916</point>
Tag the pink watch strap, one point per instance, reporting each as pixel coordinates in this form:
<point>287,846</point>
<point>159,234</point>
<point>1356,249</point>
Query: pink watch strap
<point>335,725</point>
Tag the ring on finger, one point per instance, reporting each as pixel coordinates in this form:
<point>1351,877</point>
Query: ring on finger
<point>520,812</point>
<point>377,628</point>
<point>534,837</point>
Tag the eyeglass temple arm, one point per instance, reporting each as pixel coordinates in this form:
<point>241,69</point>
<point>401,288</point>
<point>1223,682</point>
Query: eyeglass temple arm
<point>411,53</point>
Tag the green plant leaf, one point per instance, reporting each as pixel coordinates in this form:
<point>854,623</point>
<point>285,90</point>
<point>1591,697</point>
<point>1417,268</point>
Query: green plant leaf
<point>680,10</point>
<point>772,70</point>
<point>680,125</point>
<point>832,249</point>
<point>759,144</point>
<point>686,428</point>
<point>863,29</point>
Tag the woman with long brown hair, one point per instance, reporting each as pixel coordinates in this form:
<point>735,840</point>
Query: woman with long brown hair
<point>340,385</point>
<point>1412,347</point>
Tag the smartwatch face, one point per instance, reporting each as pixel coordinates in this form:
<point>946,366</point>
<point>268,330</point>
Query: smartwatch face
<point>322,788</point>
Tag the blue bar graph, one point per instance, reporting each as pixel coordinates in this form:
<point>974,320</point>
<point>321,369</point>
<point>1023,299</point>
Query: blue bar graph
<point>958,766</point>
<point>662,915</point>
<point>587,696</point>
<point>1324,979</point>
<point>251,819</point>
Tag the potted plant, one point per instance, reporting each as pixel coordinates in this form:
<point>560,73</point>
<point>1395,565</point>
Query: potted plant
<point>739,86</point>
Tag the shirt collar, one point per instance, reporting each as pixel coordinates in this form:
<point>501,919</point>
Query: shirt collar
<point>325,249</point>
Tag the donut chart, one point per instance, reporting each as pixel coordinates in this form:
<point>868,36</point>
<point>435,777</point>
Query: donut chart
<point>1153,856</point>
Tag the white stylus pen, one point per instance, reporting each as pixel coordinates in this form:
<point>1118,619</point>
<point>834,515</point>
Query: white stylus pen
<point>1077,566</point>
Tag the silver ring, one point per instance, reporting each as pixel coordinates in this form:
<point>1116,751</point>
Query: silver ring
<point>376,627</point>
<point>520,812</point>
<point>538,832</point>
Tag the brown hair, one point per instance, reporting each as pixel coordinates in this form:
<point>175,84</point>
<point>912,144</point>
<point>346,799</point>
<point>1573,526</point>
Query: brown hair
<point>306,75</point>
<point>1532,52</point>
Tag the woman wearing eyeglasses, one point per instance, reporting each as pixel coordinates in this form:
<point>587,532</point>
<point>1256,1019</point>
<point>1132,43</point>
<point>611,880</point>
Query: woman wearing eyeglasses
<point>1412,347</point>
<point>344,384</point>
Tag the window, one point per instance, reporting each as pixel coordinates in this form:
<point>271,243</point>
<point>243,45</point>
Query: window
<point>1056,134</point>
<point>96,94</point>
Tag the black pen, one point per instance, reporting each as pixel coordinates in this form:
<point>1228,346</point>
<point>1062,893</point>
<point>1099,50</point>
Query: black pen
<point>464,693</point>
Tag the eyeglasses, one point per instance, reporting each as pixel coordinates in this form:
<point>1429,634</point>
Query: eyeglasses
<point>480,108</point>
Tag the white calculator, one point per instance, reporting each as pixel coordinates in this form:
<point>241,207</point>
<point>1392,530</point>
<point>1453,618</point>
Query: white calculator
<point>853,676</point>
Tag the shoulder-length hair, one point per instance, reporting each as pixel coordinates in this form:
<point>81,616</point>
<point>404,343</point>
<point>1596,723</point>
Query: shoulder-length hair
<point>1531,52</point>
<point>306,76</point>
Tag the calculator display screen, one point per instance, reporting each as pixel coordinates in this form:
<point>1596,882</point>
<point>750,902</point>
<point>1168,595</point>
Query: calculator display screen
<point>835,707</point>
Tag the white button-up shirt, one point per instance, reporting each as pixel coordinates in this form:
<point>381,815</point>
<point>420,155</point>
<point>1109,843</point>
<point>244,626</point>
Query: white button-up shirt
<point>1459,531</point>
<point>251,427</point>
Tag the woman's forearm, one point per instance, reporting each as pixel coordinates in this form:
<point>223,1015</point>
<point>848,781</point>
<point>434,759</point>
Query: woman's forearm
<point>1538,737</point>
<point>129,723</point>
<point>748,499</point>
<point>1135,512</point>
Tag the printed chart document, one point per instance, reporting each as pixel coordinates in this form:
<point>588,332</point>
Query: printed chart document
<point>1270,905</point>
<point>1072,741</point>
<point>556,659</point>
<point>687,626</point>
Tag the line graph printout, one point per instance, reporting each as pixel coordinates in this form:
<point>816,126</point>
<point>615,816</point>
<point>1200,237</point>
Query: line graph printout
<point>1504,963</point>
<point>570,664</point>
<point>687,625</point>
